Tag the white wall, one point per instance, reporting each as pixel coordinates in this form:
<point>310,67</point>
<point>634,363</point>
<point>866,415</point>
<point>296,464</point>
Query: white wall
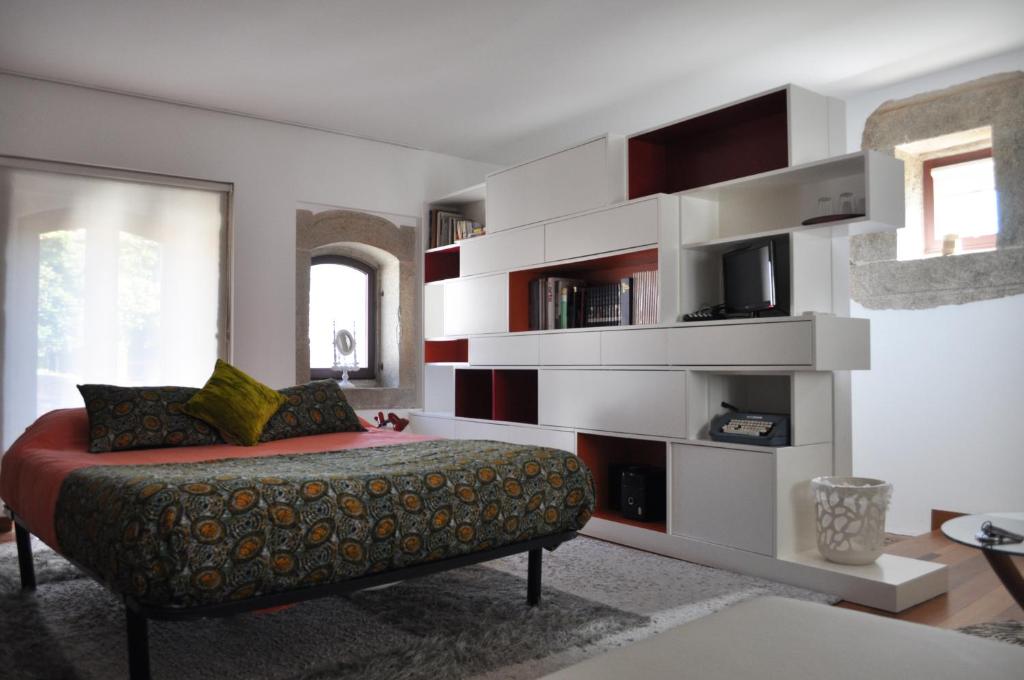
<point>937,414</point>
<point>274,168</point>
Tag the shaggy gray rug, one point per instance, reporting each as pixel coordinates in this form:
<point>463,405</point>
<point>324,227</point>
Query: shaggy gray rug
<point>470,622</point>
<point>1004,631</point>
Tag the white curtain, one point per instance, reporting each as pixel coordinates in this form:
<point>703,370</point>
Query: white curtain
<point>106,281</point>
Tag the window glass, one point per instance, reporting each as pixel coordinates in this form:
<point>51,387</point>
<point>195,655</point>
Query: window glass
<point>965,199</point>
<point>338,299</point>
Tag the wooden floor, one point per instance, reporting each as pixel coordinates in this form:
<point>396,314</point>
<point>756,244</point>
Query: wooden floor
<point>975,594</point>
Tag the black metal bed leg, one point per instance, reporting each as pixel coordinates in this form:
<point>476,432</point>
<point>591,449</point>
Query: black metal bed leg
<point>533,577</point>
<point>138,645</point>
<point>25,566</point>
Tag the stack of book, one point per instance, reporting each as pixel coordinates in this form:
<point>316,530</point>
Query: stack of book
<point>643,297</point>
<point>447,227</point>
<point>557,302</point>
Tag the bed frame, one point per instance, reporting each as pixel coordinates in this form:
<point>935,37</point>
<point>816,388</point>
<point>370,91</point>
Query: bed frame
<point>137,614</point>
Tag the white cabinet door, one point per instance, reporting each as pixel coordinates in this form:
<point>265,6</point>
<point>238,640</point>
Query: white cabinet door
<point>514,434</point>
<point>504,351</point>
<point>724,496</point>
<point>635,402</point>
<point>787,343</point>
<point>476,305</point>
<point>634,347</point>
<point>624,226</point>
<point>580,178</point>
<point>433,310</point>
<point>570,349</point>
<point>502,251</point>
<point>439,389</point>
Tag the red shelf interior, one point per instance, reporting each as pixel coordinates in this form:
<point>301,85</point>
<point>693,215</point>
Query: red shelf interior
<point>473,391</point>
<point>445,351</point>
<point>441,265</point>
<point>515,396</point>
<point>600,451</point>
<point>740,140</point>
<point>598,270</point>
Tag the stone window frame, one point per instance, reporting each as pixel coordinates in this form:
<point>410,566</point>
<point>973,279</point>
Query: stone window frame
<point>372,313</point>
<point>878,279</point>
<point>393,249</point>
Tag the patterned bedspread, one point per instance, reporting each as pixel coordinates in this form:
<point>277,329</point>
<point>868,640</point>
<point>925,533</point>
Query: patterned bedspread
<point>202,533</point>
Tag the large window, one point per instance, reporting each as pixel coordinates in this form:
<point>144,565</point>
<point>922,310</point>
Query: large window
<point>960,201</point>
<point>342,296</point>
<point>108,277</point>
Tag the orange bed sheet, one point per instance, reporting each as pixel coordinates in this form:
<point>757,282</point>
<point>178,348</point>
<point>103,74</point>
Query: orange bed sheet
<point>35,466</point>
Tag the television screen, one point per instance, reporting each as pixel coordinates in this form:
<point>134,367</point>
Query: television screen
<point>749,279</point>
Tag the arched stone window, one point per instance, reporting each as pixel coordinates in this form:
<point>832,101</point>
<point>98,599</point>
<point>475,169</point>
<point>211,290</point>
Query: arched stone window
<point>389,251</point>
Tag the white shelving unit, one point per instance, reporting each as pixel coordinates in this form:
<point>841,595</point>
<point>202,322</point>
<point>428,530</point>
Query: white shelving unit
<point>646,394</point>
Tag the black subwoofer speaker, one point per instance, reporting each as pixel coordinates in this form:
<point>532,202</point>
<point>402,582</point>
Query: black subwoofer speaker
<point>642,493</point>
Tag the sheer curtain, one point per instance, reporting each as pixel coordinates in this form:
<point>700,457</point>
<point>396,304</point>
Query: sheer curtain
<point>106,279</point>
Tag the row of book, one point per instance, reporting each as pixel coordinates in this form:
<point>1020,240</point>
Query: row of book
<point>557,302</point>
<point>447,227</point>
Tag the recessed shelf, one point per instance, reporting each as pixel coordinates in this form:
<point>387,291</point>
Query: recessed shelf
<point>601,452</point>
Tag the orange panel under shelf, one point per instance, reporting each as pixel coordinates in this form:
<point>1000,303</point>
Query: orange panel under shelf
<point>597,270</point>
<point>612,516</point>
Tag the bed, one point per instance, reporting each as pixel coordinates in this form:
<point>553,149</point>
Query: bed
<point>215,530</point>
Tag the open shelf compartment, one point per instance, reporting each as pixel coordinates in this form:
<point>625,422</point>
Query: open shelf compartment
<point>446,351</point>
<point>781,200</point>
<point>602,452</point>
<point>506,395</point>
<point>743,139</point>
<point>608,269</point>
<point>441,263</point>
<point>805,396</point>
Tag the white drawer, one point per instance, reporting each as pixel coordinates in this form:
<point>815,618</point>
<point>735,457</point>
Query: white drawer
<point>433,310</point>
<point>514,434</point>
<point>504,351</point>
<point>439,389</point>
<point>502,251</point>
<point>624,226</point>
<point>634,347</point>
<point>435,427</point>
<point>789,343</point>
<point>587,176</point>
<point>570,349</point>
<point>640,402</point>
<point>476,305</point>
<point>724,496</point>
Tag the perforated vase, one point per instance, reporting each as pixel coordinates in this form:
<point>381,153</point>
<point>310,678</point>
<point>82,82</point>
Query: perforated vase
<point>851,517</point>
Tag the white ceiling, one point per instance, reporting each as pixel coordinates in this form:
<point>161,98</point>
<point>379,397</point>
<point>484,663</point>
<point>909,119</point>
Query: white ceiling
<point>488,79</point>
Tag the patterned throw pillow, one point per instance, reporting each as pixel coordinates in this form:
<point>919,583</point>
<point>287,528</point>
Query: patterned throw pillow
<point>235,403</point>
<point>125,418</point>
<point>317,407</point>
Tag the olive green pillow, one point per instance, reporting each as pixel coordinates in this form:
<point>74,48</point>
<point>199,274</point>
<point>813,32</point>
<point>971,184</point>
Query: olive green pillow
<point>235,403</point>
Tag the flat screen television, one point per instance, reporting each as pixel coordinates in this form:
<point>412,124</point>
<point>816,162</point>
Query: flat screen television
<point>749,279</point>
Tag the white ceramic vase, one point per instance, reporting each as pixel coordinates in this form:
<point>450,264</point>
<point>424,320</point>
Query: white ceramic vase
<point>850,513</point>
